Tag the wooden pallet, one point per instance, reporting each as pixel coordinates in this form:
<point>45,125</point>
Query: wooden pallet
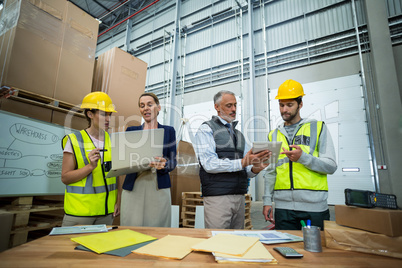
<point>190,200</point>
<point>29,97</point>
<point>32,214</point>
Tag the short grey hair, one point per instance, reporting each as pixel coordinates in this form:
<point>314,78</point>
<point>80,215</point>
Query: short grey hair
<point>218,96</point>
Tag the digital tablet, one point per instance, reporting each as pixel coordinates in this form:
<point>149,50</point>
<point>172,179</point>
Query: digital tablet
<point>132,151</point>
<point>273,146</point>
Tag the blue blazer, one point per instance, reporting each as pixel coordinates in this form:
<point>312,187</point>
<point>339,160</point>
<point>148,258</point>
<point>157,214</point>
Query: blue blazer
<point>169,153</point>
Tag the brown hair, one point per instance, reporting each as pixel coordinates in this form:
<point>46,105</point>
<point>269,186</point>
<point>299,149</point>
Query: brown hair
<point>94,111</point>
<point>151,95</point>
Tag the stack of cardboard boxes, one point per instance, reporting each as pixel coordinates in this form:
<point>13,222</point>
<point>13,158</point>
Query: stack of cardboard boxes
<point>47,48</point>
<point>122,77</point>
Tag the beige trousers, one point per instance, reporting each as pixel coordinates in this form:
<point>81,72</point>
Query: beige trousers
<point>146,205</point>
<point>224,212</point>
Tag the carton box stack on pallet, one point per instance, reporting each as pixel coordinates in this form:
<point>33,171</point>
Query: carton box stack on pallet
<point>48,53</point>
<point>121,76</point>
<point>31,214</point>
<point>190,201</point>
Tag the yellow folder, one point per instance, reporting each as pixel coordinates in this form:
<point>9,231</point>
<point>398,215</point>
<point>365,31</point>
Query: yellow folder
<point>256,254</point>
<point>170,246</point>
<point>104,242</point>
<point>227,244</point>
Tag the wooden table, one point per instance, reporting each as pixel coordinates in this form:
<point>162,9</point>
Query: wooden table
<point>58,251</point>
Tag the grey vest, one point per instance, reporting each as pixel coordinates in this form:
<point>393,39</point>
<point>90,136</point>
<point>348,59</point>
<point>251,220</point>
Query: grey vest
<point>226,182</point>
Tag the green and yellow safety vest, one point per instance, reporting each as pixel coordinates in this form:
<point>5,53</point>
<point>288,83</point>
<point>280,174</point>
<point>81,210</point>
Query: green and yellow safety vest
<point>94,195</point>
<point>293,175</point>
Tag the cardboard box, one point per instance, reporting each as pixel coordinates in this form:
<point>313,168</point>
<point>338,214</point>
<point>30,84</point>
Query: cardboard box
<point>383,221</point>
<point>185,177</point>
<point>26,109</point>
<point>77,56</point>
<point>339,237</point>
<point>31,33</point>
<point>122,76</point>
<point>48,48</point>
<point>69,120</point>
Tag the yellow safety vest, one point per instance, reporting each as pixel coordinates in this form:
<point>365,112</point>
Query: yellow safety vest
<point>94,195</point>
<point>292,175</point>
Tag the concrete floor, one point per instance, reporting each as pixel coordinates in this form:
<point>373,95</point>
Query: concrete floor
<point>257,219</point>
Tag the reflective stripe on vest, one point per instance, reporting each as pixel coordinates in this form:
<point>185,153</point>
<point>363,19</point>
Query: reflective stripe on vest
<point>293,175</point>
<point>89,196</point>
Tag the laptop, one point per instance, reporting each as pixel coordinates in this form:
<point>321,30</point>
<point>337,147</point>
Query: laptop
<point>132,151</point>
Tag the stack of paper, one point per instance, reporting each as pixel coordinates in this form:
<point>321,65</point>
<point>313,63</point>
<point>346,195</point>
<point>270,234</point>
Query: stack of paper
<point>256,254</point>
<point>170,246</point>
<point>104,242</point>
<point>226,244</point>
<point>235,248</point>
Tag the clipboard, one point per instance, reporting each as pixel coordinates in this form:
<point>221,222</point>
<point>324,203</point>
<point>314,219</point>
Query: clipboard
<point>273,146</point>
<point>100,228</point>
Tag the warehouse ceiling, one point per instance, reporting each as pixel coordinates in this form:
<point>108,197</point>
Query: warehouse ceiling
<point>111,12</point>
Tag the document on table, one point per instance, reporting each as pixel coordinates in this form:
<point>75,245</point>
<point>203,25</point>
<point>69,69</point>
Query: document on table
<point>121,252</point>
<point>170,246</point>
<point>256,254</point>
<point>100,228</point>
<point>266,237</point>
<point>226,244</point>
<point>104,242</point>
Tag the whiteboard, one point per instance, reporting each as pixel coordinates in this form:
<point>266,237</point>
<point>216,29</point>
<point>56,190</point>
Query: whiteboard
<point>30,156</point>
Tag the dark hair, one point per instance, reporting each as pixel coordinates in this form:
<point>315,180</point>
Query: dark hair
<point>299,100</point>
<point>94,111</point>
<point>151,95</point>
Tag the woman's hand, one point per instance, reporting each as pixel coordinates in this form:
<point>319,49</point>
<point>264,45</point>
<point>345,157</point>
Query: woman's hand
<point>160,163</point>
<point>94,157</point>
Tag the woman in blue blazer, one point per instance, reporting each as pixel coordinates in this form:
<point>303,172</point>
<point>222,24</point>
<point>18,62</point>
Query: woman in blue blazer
<point>146,199</point>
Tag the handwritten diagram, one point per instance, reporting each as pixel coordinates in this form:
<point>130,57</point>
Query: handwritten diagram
<point>30,156</point>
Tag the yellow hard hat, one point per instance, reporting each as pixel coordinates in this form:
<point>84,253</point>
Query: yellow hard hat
<point>290,89</point>
<point>98,100</point>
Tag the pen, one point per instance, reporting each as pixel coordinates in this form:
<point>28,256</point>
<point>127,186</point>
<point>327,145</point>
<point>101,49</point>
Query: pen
<point>308,223</point>
<point>101,150</point>
<point>302,223</point>
<point>112,228</point>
